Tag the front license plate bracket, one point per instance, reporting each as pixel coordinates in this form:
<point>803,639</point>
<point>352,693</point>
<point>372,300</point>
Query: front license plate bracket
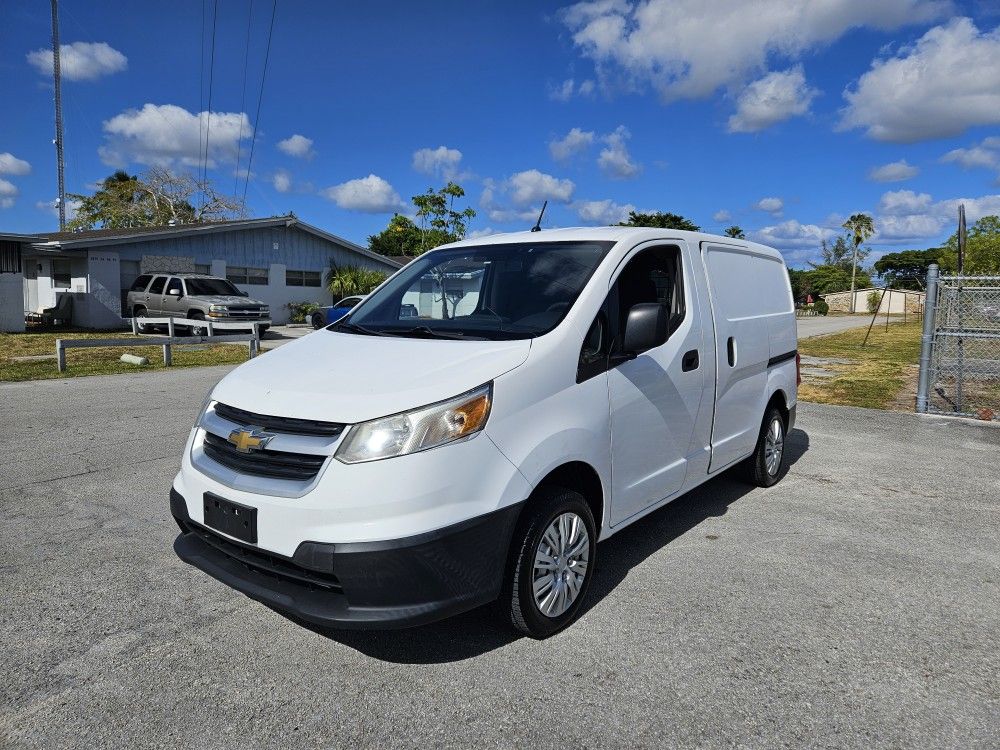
<point>234,519</point>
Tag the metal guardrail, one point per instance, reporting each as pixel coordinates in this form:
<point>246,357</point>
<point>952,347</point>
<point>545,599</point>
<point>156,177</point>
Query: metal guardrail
<point>252,339</point>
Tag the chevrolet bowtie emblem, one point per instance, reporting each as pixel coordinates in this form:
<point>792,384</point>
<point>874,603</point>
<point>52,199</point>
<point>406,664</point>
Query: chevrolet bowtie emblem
<point>248,439</point>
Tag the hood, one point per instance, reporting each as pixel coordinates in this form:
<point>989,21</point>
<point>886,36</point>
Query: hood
<point>226,299</point>
<point>342,377</point>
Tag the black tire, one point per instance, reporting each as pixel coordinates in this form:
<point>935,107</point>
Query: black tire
<point>197,330</point>
<point>317,320</point>
<point>140,312</point>
<point>518,598</point>
<point>757,468</point>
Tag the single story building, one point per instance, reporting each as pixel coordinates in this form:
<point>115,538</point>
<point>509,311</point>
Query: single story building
<point>277,260</point>
<point>893,302</point>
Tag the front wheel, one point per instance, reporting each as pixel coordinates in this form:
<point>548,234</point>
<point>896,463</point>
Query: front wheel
<point>139,313</point>
<point>553,555</point>
<point>197,330</point>
<point>767,464</point>
<point>317,320</point>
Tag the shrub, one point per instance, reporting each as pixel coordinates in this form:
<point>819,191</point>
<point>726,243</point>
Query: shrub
<point>300,311</point>
<point>874,300</point>
<point>821,307</point>
<point>347,281</point>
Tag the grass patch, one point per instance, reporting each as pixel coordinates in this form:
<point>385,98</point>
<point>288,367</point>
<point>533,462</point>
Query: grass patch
<point>877,371</point>
<point>103,361</point>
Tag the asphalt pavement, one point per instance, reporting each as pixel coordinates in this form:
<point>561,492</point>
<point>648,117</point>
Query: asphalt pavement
<point>819,325</point>
<point>855,604</point>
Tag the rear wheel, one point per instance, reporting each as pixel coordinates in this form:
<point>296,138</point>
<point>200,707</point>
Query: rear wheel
<point>317,320</point>
<point>767,464</point>
<point>552,561</point>
<point>138,313</point>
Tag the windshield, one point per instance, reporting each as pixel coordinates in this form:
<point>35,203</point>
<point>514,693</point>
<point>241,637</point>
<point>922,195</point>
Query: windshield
<point>491,291</point>
<point>210,287</point>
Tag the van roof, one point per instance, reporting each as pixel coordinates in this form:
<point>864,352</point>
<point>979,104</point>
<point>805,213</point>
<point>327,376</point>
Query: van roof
<point>632,235</point>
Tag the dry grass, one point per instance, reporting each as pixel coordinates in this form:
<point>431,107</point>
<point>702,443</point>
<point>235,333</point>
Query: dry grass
<point>878,370</point>
<point>102,361</point>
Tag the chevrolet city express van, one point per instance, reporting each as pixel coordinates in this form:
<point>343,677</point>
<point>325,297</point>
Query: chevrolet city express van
<point>554,387</point>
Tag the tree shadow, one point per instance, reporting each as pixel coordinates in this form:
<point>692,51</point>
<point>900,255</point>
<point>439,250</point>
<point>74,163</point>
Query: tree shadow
<point>482,630</point>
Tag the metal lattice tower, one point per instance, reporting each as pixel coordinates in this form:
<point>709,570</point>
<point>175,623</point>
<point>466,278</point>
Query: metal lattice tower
<point>57,80</point>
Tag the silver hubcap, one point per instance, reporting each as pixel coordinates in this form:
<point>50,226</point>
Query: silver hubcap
<point>561,564</point>
<point>774,442</point>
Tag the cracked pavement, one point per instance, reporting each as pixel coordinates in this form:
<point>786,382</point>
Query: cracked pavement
<point>855,604</point>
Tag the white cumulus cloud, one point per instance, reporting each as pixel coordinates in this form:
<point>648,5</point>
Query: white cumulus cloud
<point>690,48</point>
<point>907,216</point>
<point>603,212</point>
<point>769,100</point>
<point>722,215</point>
<point>614,159</point>
<point>571,144</point>
<point>80,61</point>
<point>298,146</point>
<point>369,194</point>
<point>793,235</point>
<point>8,192</point>
<point>165,134</point>
<point>895,171</point>
<point>532,186</point>
<point>568,88</point>
<point>940,86</point>
<point>441,161</point>
<point>772,206</point>
<point>281,181</point>
<point>10,164</point>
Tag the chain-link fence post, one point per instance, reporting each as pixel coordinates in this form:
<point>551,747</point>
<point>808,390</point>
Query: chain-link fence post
<point>927,339</point>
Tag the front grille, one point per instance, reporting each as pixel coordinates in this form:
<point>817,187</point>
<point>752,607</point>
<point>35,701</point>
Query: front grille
<point>243,312</point>
<point>279,424</point>
<point>266,563</point>
<point>277,464</point>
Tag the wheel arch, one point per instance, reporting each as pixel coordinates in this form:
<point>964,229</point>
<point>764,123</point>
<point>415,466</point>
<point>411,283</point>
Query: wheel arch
<point>578,476</point>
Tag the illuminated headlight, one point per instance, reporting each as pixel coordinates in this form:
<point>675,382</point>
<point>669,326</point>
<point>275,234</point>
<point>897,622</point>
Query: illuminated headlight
<point>418,430</point>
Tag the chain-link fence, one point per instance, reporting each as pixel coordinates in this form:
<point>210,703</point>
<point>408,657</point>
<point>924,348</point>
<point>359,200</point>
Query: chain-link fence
<point>963,361</point>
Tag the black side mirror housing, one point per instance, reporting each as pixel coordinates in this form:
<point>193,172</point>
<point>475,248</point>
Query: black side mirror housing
<point>646,327</point>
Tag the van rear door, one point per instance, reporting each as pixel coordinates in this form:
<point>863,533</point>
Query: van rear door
<point>741,286</point>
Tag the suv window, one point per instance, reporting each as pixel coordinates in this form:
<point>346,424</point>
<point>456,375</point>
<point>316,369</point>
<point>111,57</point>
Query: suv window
<point>140,283</point>
<point>157,285</point>
<point>175,283</point>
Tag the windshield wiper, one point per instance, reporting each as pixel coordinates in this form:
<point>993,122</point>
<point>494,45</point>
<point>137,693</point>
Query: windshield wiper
<point>428,332</point>
<point>355,328</point>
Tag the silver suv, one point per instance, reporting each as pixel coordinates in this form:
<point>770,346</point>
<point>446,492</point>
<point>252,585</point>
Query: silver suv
<point>195,296</point>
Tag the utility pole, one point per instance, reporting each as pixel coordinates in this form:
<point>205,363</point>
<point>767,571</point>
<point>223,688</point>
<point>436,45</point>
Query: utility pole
<point>57,80</point>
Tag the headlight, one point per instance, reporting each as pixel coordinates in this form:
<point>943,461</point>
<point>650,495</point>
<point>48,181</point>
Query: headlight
<point>265,311</point>
<point>418,430</point>
<point>208,402</point>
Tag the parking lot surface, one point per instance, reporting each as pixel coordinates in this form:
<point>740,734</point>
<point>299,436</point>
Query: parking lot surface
<point>855,604</point>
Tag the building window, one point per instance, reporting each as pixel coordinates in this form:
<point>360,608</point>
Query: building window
<point>62,274</point>
<point>303,278</point>
<point>244,275</point>
<point>10,257</point>
<point>203,268</point>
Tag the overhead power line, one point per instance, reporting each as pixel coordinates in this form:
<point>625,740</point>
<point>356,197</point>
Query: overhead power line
<point>260,98</point>
<point>243,100</point>
<point>208,119</point>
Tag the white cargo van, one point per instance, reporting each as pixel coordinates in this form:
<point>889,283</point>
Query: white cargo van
<point>553,388</point>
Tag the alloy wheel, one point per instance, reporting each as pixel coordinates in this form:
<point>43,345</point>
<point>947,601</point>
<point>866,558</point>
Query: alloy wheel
<point>561,563</point>
<point>774,443</point>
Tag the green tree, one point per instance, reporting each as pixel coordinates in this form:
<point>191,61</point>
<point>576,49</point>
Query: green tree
<point>827,279</point>
<point>735,232</point>
<point>440,223</point>
<point>982,248</point>
<point>659,220</point>
<point>347,281</point>
<point>907,269</point>
<point>841,254</point>
<point>860,226</point>
<point>155,198</point>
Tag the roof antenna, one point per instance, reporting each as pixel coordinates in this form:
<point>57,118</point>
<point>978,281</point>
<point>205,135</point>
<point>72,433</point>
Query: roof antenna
<point>538,224</point>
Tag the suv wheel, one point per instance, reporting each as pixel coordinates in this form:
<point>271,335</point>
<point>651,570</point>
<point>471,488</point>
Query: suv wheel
<point>553,554</point>
<point>198,330</point>
<point>317,320</point>
<point>139,313</point>
<point>765,467</point>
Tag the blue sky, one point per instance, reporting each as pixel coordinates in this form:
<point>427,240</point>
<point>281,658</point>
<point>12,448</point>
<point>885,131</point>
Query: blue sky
<point>781,116</point>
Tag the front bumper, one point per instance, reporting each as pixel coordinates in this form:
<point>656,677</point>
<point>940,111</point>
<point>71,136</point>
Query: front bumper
<point>379,585</point>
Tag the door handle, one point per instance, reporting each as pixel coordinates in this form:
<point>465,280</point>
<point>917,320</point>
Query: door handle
<point>731,350</point>
<point>689,361</point>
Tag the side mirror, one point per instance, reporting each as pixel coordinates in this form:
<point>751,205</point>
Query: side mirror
<point>646,327</point>
<point>244,294</point>
<point>174,292</point>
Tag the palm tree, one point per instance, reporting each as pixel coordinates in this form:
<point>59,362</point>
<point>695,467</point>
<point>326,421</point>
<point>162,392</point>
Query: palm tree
<point>348,281</point>
<point>735,232</point>
<point>861,227</point>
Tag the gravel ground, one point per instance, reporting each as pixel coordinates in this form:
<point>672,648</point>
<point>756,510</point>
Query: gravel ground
<point>855,604</point>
